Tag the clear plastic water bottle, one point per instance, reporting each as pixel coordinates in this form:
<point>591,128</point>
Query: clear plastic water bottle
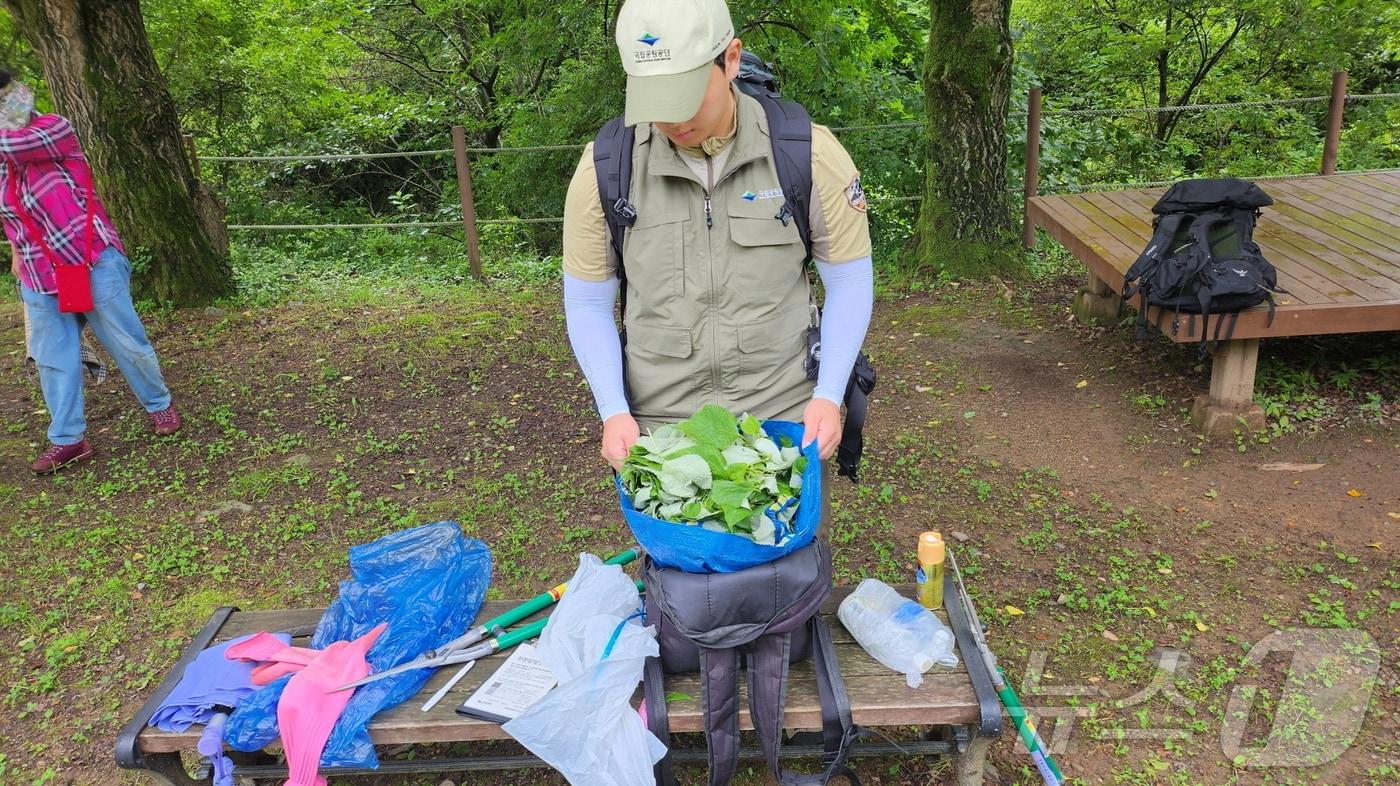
<point>897,631</point>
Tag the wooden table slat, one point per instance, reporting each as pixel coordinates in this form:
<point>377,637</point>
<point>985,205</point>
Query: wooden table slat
<point>1365,222</point>
<point>1340,233</point>
<point>1387,182</point>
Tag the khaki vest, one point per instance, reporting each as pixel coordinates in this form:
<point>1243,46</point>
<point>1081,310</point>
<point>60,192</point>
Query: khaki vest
<point>718,304</point>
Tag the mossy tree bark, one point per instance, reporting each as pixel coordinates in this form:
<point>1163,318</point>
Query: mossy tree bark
<point>103,76</point>
<point>965,224</point>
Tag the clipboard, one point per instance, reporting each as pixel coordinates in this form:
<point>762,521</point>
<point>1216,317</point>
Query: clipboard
<point>518,683</point>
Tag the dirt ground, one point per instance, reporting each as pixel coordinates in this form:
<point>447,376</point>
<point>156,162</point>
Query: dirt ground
<point>1097,532</point>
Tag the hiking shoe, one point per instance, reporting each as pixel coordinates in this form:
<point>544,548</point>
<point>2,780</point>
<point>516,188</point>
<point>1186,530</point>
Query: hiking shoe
<point>166,421</point>
<point>59,457</point>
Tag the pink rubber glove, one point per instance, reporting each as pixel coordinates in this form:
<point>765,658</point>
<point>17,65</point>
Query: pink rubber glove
<point>312,702</point>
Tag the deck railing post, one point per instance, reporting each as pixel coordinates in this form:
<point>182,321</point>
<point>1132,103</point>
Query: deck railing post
<point>1032,165</point>
<point>1334,122</point>
<point>464,187</point>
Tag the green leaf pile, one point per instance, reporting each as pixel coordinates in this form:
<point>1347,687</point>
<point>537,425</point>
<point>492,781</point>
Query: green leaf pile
<point>718,472</point>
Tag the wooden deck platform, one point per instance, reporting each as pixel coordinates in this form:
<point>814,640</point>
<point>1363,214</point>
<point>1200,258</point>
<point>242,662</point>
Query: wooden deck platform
<point>1335,241</point>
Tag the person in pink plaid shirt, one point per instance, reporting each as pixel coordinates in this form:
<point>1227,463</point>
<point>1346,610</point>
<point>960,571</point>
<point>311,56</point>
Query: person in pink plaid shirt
<point>52,216</point>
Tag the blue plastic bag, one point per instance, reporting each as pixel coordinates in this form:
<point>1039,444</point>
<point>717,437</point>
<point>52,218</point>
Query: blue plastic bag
<point>428,583</point>
<point>695,549</point>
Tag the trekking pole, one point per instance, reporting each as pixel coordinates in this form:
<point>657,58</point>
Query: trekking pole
<point>1025,724</point>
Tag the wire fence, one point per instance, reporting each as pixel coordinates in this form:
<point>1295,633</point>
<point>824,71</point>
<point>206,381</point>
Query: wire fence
<point>469,220</point>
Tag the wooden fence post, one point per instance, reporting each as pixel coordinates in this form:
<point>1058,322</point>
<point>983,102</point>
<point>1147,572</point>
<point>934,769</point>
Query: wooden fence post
<point>1032,164</point>
<point>464,186</point>
<point>1334,122</point>
<point>192,154</point>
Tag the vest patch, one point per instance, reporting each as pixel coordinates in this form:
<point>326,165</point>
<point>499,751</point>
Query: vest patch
<point>855,195</point>
<point>771,193</point>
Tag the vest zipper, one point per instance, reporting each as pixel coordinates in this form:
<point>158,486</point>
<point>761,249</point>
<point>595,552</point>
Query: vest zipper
<point>710,254</point>
<point>709,180</point>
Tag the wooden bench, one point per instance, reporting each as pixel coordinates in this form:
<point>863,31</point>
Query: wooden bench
<point>956,710</point>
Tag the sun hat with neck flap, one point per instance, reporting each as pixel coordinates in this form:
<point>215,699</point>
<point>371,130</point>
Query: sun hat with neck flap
<point>667,49</point>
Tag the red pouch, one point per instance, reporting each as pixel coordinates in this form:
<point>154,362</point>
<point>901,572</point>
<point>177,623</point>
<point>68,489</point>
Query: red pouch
<point>74,288</point>
<point>74,281</point>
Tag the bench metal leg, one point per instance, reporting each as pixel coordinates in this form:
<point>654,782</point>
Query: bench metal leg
<point>1097,303</point>
<point>971,766</point>
<point>1230,404</point>
<point>166,769</point>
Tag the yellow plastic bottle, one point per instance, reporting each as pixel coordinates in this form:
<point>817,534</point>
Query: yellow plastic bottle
<point>932,552</point>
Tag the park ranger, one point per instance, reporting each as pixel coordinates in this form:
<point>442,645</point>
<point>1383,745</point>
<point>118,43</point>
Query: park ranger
<point>718,302</point>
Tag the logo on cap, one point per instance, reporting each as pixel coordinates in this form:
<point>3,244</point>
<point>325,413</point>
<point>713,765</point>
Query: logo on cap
<point>648,39</point>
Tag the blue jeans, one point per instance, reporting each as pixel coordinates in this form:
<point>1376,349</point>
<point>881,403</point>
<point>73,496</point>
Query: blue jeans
<point>55,345</point>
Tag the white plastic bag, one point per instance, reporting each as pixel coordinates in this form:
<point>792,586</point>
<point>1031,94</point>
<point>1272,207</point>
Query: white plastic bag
<point>596,646</point>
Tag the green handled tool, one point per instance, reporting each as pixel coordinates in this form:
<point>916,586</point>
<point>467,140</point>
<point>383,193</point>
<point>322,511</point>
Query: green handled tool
<point>471,646</point>
<point>495,625</point>
<point>1040,753</point>
<point>541,601</point>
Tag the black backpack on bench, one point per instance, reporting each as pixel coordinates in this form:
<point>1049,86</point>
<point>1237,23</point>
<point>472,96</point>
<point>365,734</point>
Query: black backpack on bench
<point>767,617</point>
<point>790,128</point>
<point>1202,258</point>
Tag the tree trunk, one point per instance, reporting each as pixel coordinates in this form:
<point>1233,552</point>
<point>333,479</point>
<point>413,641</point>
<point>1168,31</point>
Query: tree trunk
<point>103,76</point>
<point>965,224</point>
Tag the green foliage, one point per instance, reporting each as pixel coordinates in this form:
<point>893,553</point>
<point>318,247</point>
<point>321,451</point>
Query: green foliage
<point>338,76</point>
<point>716,471</point>
<point>332,76</point>
<point>1149,54</point>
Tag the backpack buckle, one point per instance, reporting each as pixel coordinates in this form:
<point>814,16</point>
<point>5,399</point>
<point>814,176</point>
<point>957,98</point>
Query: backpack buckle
<point>785,214</point>
<point>625,210</point>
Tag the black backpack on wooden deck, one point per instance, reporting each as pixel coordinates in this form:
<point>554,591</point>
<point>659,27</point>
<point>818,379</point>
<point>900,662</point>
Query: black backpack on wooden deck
<point>1202,258</point>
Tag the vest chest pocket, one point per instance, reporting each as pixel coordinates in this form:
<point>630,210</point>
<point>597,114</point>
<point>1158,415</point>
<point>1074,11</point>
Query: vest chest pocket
<point>767,255</point>
<point>654,249</point>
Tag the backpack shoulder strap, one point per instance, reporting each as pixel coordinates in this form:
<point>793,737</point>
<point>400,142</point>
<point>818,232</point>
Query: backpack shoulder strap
<point>838,730</point>
<point>768,679</point>
<point>852,445</point>
<point>658,721</point>
<point>612,163</point>
<point>790,131</point>
<point>1158,248</point>
<point>719,697</point>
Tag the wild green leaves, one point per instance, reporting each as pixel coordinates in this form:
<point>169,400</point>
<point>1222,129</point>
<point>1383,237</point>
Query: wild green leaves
<point>716,471</point>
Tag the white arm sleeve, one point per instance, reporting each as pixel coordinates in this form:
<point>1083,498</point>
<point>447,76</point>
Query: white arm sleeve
<point>588,312</point>
<point>850,297</point>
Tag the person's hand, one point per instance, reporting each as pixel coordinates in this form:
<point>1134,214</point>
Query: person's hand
<point>620,432</point>
<point>14,261</point>
<point>822,422</point>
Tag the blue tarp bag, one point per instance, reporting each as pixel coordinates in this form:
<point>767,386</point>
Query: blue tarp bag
<point>428,583</point>
<point>695,549</point>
